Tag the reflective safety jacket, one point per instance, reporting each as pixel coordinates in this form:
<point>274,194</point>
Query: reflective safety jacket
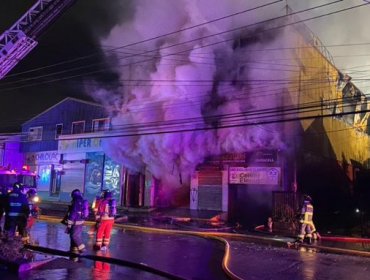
<point>16,204</point>
<point>95,204</point>
<point>306,213</point>
<point>106,209</point>
<point>75,215</point>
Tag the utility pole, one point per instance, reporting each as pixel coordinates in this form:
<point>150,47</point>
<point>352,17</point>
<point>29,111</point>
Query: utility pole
<point>286,7</point>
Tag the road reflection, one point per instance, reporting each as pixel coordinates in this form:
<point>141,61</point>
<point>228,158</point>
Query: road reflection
<point>309,263</point>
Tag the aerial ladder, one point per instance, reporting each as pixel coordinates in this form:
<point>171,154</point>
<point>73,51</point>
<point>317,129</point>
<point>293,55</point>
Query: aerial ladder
<point>21,38</point>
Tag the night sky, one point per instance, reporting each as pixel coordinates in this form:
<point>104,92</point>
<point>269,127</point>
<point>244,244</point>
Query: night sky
<point>75,34</point>
<point>78,32</point>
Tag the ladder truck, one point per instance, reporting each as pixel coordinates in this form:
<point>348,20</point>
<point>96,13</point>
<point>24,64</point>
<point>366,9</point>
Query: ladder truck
<point>21,38</point>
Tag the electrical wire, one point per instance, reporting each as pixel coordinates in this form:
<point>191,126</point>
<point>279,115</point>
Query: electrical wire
<point>194,40</point>
<point>152,38</point>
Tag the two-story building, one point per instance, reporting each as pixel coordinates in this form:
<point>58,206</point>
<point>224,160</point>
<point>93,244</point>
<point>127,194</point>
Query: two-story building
<point>77,162</point>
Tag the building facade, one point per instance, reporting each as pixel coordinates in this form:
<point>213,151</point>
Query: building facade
<point>61,165</point>
<point>323,120</point>
<point>320,115</point>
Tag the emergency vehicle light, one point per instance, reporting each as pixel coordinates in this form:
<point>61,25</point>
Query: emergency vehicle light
<point>26,168</point>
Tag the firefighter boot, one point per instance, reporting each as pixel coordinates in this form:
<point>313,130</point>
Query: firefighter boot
<point>309,240</point>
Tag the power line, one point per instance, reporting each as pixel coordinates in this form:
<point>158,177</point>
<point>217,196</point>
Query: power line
<point>267,115</point>
<point>193,40</point>
<point>265,91</point>
<point>245,123</point>
<point>153,38</point>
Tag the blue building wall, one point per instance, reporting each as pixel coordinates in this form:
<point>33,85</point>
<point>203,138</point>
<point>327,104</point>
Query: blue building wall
<point>65,112</point>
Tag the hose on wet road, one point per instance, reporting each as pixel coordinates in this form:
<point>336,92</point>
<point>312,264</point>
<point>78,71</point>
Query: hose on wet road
<point>110,260</point>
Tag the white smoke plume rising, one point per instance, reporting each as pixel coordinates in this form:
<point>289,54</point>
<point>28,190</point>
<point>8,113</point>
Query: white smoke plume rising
<point>211,76</point>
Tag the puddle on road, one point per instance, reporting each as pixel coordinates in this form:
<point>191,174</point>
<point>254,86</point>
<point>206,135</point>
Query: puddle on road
<point>64,269</point>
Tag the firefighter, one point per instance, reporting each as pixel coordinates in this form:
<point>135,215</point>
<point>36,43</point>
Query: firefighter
<point>94,208</point>
<point>306,223</point>
<point>78,211</point>
<point>34,209</point>
<point>106,211</point>
<point>16,212</point>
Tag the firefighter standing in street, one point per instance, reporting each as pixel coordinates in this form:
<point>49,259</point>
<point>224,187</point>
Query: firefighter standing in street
<point>16,212</point>
<point>306,220</point>
<point>106,211</point>
<point>78,211</point>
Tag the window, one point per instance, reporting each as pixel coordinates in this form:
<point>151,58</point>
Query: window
<point>100,124</point>
<point>58,130</point>
<point>78,127</point>
<point>35,133</point>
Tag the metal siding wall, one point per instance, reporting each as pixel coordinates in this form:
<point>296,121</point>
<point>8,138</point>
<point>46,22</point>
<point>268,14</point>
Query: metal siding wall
<point>66,112</point>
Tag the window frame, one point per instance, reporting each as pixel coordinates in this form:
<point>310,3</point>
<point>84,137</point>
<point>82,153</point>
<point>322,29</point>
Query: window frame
<point>106,124</point>
<point>34,128</point>
<point>77,122</point>
<point>56,130</point>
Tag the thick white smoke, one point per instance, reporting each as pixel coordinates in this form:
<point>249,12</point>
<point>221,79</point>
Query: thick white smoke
<point>198,85</point>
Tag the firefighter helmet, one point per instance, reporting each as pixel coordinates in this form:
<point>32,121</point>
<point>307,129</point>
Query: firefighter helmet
<point>76,193</point>
<point>18,186</point>
<point>306,197</point>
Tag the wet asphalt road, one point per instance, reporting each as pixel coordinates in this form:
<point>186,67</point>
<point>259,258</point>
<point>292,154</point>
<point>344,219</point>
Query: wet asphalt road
<point>190,257</point>
<point>185,256</point>
<point>268,262</point>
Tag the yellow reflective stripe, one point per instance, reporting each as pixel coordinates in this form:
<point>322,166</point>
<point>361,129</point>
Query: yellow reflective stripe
<point>106,218</point>
<point>69,222</point>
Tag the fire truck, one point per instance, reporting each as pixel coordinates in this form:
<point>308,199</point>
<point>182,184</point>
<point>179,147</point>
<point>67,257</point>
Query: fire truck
<point>27,178</point>
<point>21,38</point>
<point>9,176</point>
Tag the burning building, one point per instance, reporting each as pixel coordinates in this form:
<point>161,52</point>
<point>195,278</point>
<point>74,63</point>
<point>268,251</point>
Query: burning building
<point>221,115</point>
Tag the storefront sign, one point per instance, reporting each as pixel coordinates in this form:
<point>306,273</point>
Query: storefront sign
<point>42,157</point>
<point>254,175</point>
<point>86,144</point>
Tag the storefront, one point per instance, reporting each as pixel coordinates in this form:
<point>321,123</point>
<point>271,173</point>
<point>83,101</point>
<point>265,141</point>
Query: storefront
<point>85,166</point>
<point>240,185</point>
<point>49,170</point>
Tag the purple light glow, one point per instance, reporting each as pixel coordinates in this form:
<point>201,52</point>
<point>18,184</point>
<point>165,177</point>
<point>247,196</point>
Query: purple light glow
<point>213,76</point>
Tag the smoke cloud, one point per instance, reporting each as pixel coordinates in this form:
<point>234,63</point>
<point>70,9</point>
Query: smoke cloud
<point>201,85</point>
